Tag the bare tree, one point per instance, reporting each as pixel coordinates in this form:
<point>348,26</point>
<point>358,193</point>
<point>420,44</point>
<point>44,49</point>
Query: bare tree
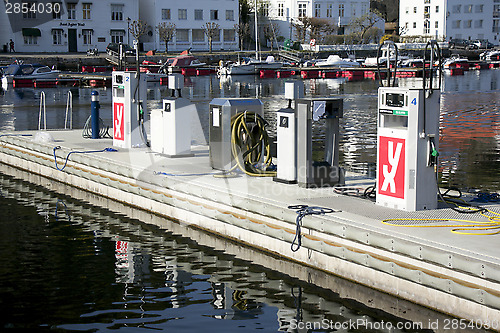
<point>166,32</point>
<point>243,30</point>
<point>363,28</point>
<point>138,29</point>
<point>211,29</point>
<point>319,28</point>
<point>271,30</point>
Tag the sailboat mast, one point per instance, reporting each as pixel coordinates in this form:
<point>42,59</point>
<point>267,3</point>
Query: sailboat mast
<point>256,32</point>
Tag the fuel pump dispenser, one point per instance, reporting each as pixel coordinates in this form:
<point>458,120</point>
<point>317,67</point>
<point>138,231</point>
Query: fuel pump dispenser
<point>407,142</point>
<point>314,170</point>
<point>129,109</point>
<point>222,110</point>
<point>171,125</point>
<point>286,132</point>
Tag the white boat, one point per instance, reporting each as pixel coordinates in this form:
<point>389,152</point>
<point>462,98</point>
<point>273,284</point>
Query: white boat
<point>455,61</point>
<point>336,61</point>
<point>29,72</point>
<point>248,66</point>
<point>412,62</point>
<point>493,55</point>
<point>382,60</point>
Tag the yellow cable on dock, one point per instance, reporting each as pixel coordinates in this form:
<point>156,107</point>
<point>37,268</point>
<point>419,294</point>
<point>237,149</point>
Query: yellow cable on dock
<point>249,145</point>
<point>470,228</point>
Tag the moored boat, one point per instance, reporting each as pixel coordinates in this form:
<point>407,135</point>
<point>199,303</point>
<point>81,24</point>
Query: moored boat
<point>29,72</point>
<point>336,61</point>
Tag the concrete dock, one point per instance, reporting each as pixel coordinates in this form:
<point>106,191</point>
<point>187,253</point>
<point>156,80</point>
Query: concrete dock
<point>456,274</point>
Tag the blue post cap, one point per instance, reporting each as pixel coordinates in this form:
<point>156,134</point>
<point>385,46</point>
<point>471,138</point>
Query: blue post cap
<point>95,96</point>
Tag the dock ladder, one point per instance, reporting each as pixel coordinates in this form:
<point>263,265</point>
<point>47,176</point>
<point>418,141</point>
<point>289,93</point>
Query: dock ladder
<point>43,110</point>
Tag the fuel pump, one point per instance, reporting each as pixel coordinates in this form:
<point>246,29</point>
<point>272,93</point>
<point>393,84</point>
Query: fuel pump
<point>408,141</point>
<point>171,125</point>
<point>314,170</point>
<point>286,131</point>
<point>129,109</point>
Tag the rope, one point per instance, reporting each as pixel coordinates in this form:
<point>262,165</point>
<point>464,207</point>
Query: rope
<point>304,210</point>
<point>77,152</point>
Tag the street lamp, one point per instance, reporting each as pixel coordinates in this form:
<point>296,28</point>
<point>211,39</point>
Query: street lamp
<point>128,30</point>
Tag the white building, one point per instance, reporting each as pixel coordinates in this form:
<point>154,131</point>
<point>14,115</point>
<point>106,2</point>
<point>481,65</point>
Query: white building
<point>76,26</point>
<point>68,26</point>
<point>445,19</point>
<point>189,17</point>
<point>285,12</point>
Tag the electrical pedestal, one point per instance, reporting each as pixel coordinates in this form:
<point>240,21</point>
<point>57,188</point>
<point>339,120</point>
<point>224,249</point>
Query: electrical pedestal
<point>314,170</point>
<point>407,144</point>
<point>286,132</point>
<point>129,109</point>
<point>171,125</point>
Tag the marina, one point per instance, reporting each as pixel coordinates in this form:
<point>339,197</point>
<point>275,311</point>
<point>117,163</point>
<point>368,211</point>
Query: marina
<point>428,266</point>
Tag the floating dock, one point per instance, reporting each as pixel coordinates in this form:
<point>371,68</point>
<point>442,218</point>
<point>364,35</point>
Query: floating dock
<point>452,273</point>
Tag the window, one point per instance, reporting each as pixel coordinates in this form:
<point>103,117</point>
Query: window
<point>496,26</point>
<point>468,9</point>
<point>364,8</point>
<point>198,35</point>
<point>414,10</point>
<point>427,1</point>
<point>456,9</point>
<point>353,9</point>
<point>427,10</point>
<point>229,35</point>
<point>214,14</point>
<point>341,10</point>
<point>31,13</point>
<point>414,25</point>
<point>230,15</point>
<point>496,10</point>
<point>436,24</point>
<point>455,24</point>
<point>407,10</point>
<point>478,24</point>
<point>479,8</point>
<point>182,35</point>
<point>87,36</point>
<point>468,24</point>
<point>198,14</point>
<point>165,14</point>
<point>183,14</point>
<point>317,10</point>
<point>329,10</point>
<point>117,36</point>
<point>281,10</point>
<point>57,36</point>
<point>116,12</point>
<point>216,36</point>
<point>265,9</point>
<point>302,10</point>
<point>437,9</point>
<point>86,10</point>
<point>30,40</point>
<point>56,10</point>
<point>427,27</point>
<point>71,7</point>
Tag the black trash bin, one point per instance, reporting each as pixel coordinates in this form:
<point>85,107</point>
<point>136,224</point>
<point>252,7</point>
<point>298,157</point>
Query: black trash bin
<point>5,48</point>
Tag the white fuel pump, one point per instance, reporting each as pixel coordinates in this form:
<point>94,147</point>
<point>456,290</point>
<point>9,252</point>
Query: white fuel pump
<point>129,109</point>
<point>407,144</point>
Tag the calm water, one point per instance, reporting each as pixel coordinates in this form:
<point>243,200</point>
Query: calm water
<point>66,264</point>
<point>72,261</point>
<point>470,117</point>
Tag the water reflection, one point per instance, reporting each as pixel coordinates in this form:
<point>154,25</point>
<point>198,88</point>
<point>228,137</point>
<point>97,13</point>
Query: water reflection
<point>469,116</point>
<point>67,264</point>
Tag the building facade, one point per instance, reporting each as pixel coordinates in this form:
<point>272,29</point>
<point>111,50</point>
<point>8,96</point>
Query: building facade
<point>446,19</point>
<point>76,26</point>
<point>68,26</point>
<point>285,12</point>
<point>189,17</point>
